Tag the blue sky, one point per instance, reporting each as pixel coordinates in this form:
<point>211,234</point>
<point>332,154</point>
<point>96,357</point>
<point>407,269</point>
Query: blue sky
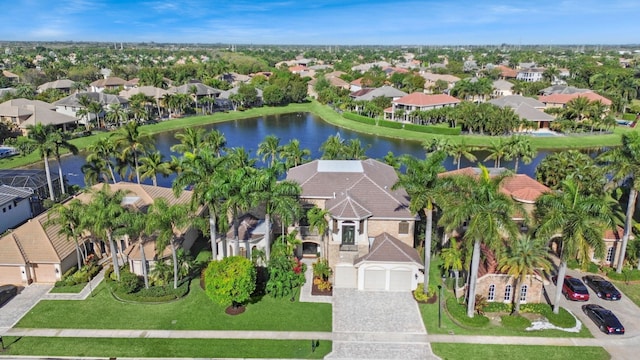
<point>325,22</point>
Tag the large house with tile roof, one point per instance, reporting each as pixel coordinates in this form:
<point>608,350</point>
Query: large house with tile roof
<point>20,113</point>
<point>526,108</point>
<point>108,83</point>
<point>418,101</point>
<point>561,100</point>
<point>35,252</point>
<point>362,206</point>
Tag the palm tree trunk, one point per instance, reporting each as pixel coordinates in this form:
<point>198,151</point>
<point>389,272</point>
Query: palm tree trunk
<point>64,191</point>
<point>154,180</point>
<point>114,255</point>
<point>175,264</point>
<point>562,270</point>
<point>145,275</point>
<point>516,164</point>
<point>456,273</point>
<point>427,246</point>
<point>78,254</point>
<point>631,206</point>
<point>47,170</point>
<point>236,238</point>
<point>267,236</point>
<point>135,160</point>
<point>458,158</point>
<point>213,234</point>
<point>113,176</point>
<point>516,299</point>
<point>473,278</point>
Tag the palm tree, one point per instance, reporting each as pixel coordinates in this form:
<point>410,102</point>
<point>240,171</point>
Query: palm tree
<point>168,222</point>
<point>460,149</point>
<point>318,219</point>
<point>420,181</point>
<point>497,151</point>
<point>578,108</point>
<point>95,171</point>
<point>191,139</point>
<point>70,219</point>
<point>204,172</point>
<point>488,213</point>
<point>135,226</point>
<point>107,215</point>
<point>579,219</point>
<point>293,155</point>
<point>333,148</point>
<point>41,135</point>
<point>238,192</point>
<point>522,258</point>
<point>153,165</point>
<point>623,163</point>
<point>95,108</point>
<point>216,141</point>
<point>61,141</point>
<point>269,148</point>
<point>117,114</point>
<point>353,150</point>
<point>131,142</point>
<point>103,150</point>
<point>519,148</point>
<point>452,260</point>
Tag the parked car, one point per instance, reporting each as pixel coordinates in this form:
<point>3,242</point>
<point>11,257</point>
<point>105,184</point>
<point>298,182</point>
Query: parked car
<point>7,292</point>
<point>574,289</point>
<point>603,288</point>
<point>607,322</point>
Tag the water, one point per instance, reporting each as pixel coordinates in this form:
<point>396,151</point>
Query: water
<point>309,129</point>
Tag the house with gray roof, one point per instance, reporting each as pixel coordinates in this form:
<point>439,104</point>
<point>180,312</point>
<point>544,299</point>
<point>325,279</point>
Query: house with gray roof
<point>362,206</point>
<point>562,89</point>
<point>71,104</point>
<point>502,88</point>
<point>64,85</point>
<point>526,108</point>
<point>21,113</point>
<point>15,206</point>
<point>383,91</point>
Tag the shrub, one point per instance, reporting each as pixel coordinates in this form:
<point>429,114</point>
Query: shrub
<point>459,314</point>
<point>563,319</point>
<point>359,118</point>
<point>322,269</point>
<point>433,129</point>
<point>231,280</point>
<point>515,322</point>
<point>419,294</point>
<point>156,294</point>
<point>129,282</point>
<point>628,116</point>
<point>498,307</point>
<point>627,275</point>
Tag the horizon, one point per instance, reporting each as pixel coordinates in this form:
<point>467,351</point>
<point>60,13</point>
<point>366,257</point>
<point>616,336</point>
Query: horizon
<point>327,23</point>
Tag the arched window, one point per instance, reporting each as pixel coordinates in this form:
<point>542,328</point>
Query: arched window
<point>507,293</point>
<point>523,293</point>
<point>492,293</point>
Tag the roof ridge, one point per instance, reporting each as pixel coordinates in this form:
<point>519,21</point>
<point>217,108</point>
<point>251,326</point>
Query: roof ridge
<point>20,248</point>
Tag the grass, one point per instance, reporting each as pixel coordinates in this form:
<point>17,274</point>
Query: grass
<point>631,290</point>
<point>72,289</point>
<point>141,347</point>
<point>194,312</point>
<point>330,116</point>
<point>450,351</point>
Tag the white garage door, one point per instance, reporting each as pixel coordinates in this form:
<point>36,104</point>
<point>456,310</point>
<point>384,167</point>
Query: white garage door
<point>10,275</point>
<point>400,280</point>
<point>375,279</point>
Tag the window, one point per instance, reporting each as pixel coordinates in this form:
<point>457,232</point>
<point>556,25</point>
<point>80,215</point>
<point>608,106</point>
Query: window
<point>403,228</point>
<point>348,234</point>
<point>507,293</point>
<point>610,252</point>
<point>523,293</point>
<point>492,293</point>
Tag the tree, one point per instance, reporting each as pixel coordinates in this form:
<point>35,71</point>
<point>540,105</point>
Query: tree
<point>579,220</point>
<point>61,141</point>
<point>497,150</point>
<point>167,222</point>
<point>623,164</point>
<point>152,165</point>
<point>333,148</point>
<point>286,273</point>
<point>269,148</point>
<point>191,139</point>
<point>45,144</point>
<point>460,149</point>
<point>95,108</point>
<point>230,281</point>
<point>523,256</point>
<point>519,148</point>
<point>70,219</point>
<point>293,155</point>
<point>132,143</point>
<point>557,167</point>
<point>103,150</point>
<point>273,95</point>
<point>487,212</point>
<point>136,226</point>
<point>107,215</point>
<point>420,181</point>
<point>452,259</point>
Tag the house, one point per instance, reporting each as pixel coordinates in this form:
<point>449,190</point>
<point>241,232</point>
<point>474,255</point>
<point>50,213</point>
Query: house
<point>356,85</point>
<point>431,79</point>
<point>64,85</point>
<point>502,88</point>
<point>530,74</point>
<point>561,100</point>
<point>151,91</point>
<point>383,91</point>
<point>15,206</point>
<point>108,83</point>
<point>612,245</point>
<point>562,89</point>
<point>11,76</point>
<point>197,89</point>
<point>35,252</point>
<point>226,95</point>
<point>251,235</point>
<point>21,113</point>
<point>34,181</point>
<point>362,206</point>
<point>71,104</point>
<point>526,108</point>
<point>333,78</point>
<point>507,72</point>
<point>418,101</point>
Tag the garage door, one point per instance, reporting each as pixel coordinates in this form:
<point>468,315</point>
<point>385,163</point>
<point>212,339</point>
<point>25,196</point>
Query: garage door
<point>400,280</point>
<point>10,275</point>
<point>375,279</point>
<point>44,273</point>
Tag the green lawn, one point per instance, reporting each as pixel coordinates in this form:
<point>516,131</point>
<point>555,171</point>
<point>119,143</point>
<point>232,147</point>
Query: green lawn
<point>631,290</point>
<point>73,289</point>
<point>449,351</point>
<point>330,116</point>
<point>193,348</point>
<point>194,312</point>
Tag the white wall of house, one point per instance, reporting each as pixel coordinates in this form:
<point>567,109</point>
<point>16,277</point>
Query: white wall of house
<point>14,213</point>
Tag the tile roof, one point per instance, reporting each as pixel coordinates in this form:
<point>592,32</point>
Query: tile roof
<point>201,89</point>
<point>386,248</point>
<point>104,99</point>
<point>507,72</point>
<point>31,112</point>
<point>366,182</point>
<point>502,85</point>
<point>383,91</point>
<point>515,100</point>
<point>58,84</point>
<point>110,81</point>
<point>435,77</point>
<point>156,93</point>
<point>617,235</point>
<point>10,253</point>
<point>347,209</point>
<point>422,99</point>
<point>565,98</point>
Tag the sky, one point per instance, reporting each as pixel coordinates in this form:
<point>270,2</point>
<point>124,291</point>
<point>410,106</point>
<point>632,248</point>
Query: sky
<point>325,22</point>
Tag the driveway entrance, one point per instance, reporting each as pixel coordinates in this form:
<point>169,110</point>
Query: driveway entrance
<point>377,325</point>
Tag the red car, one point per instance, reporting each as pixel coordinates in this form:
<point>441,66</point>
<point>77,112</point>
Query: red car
<point>574,289</point>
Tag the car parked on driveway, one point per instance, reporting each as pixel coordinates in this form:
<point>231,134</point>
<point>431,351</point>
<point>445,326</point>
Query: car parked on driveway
<point>607,322</point>
<point>7,292</point>
<point>573,289</point>
<point>603,288</point>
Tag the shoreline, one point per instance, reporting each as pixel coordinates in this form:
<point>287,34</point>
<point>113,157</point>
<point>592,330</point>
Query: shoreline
<point>330,116</point>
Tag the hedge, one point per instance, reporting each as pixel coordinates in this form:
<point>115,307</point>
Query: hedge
<point>627,275</point>
<point>433,129</point>
<point>629,117</point>
<point>359,118</point>
<point>459,314</point>
<point>391,124</point>
<point>155,294</point>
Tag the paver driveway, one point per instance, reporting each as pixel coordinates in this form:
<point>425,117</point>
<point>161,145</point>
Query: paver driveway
<point>17,307</point>
<point>377,325</point>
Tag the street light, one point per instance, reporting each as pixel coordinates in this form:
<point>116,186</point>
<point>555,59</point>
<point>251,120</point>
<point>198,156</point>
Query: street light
<point>440,301</point>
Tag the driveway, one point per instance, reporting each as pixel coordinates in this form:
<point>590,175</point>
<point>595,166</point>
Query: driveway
<point>17,307</point>
<point>627,312</point>
<point>377,325</point>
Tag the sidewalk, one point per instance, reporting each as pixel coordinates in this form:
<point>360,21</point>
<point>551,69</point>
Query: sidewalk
<point>305,292</point>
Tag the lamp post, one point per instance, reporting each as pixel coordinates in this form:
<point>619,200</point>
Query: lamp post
<point>440,302</point>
